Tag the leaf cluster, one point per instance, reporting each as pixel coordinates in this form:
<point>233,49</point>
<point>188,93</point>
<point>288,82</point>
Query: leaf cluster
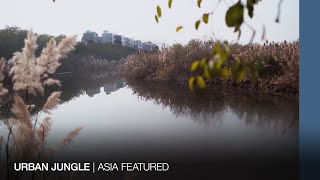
<point>219,66</point>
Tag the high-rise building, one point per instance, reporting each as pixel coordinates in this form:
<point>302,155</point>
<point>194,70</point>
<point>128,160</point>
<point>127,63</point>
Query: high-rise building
<point>107,37</point>
<point>90,36</point>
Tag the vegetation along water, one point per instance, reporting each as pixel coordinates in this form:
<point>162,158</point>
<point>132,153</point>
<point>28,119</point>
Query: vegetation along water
<point>87,91</point>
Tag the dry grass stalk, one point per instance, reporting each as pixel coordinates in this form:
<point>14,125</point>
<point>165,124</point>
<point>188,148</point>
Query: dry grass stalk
<point>44,128</point>
<point>67,140</point>
<point>21,112</point>
<point>23,131</point>
<point>52,102</point>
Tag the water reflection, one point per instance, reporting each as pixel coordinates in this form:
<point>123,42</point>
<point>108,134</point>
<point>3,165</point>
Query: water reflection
<point>72,88</point>
<point>137,120</point>
<point>129,121</point>
<point>106,88</point>
<point>211,106</point>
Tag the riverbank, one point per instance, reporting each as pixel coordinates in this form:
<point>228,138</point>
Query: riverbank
<point>277,63</point>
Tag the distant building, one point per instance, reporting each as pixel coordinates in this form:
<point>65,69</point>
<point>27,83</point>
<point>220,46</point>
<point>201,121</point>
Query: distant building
<point>90,37</point>
<point>148,46</point>
<point>136,44</point>
<point>128,42</point>
<point>107,37</point>
<point>118,40</point>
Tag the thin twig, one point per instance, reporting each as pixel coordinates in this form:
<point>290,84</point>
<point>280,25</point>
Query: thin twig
<point>279,11</point>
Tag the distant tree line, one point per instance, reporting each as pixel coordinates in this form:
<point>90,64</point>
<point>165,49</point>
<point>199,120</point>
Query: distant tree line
<point>12,40</point>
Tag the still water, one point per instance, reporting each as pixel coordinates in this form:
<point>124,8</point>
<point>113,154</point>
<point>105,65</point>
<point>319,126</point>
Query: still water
<point>219,133</point>
<point>135,121</point>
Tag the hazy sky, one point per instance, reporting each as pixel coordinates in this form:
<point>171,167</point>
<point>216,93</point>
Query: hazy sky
<point>135,18</point>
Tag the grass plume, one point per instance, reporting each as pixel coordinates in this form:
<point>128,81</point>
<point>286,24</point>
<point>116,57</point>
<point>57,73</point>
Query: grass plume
<point>30,74</point>
<point>52,102</point>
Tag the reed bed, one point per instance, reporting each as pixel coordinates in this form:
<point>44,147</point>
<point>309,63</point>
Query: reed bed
<point>277,63</point>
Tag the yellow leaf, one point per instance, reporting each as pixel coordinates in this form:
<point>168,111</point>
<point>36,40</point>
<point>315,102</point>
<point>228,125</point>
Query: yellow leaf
<point>159,11</point>
<point>195,65</point>
<point>179,28</point>
<point>206,72</point>
<point>191,83</point>
<point>201,83</point>
<point>205,18</point>
<point>170,3</point>
<point>197,24</point>
<point>199,3</point>
<point>157,19</point>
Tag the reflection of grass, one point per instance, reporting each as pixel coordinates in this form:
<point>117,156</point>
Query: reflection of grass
<point>278,64</point>
<point>207,106</point>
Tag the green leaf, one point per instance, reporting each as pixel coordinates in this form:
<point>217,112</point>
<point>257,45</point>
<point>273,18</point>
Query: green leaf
<point>197,24</point>
<point>170,4</point>
<point>205,18</point>
<point>201,83</point>
<point>195,65</point>
<point>250,6</point>
<point>179,28</point>
<point>234,15</point>
<point>157,19</point>
<point>199,3</point>
<point>191,83</point>
<point>159,11</point>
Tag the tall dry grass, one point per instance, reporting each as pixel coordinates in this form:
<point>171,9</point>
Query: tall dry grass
<point>278,64</point>
<point>30,74</point>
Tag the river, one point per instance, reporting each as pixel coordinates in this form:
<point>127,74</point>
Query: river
<point>138,121</point>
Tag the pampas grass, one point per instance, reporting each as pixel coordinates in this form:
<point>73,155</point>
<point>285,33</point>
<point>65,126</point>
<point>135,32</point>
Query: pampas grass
<point>67,140</point>
<point>23,131</point>
<point>30,74</point>
<point>44,128</point>
<point>52,102</point>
